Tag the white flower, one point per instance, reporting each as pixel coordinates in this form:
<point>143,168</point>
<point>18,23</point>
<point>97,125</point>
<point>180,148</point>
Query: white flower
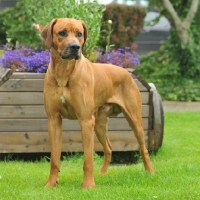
<point>110,21</point>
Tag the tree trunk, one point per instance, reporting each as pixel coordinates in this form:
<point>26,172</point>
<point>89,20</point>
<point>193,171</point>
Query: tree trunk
<point>182,26</point>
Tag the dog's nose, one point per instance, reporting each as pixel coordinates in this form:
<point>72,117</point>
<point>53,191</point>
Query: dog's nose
<point>74,46</point>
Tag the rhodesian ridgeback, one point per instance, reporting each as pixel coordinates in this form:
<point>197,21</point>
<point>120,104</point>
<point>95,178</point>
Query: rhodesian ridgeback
<point>75,88</point>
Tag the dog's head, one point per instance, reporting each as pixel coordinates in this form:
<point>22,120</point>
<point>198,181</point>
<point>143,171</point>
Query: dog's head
<point>67,36</point>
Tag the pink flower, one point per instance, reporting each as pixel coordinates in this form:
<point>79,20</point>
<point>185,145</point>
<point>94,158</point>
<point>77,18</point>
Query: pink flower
<point>37,26</point>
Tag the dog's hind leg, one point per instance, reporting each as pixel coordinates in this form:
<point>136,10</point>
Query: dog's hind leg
<point>101,123</point>
<point>134,118</point>
<point>132,112</point>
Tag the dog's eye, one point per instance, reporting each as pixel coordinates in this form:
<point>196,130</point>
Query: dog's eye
<point>62,33</point>
<point>79,34</point>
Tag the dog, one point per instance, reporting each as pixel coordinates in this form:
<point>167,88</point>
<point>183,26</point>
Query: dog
<point>76,88</point>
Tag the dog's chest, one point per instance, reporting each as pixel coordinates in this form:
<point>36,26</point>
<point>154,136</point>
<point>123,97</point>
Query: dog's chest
<point>65,99</point>
<point>63,94</point>
<point>62,82</point>
<point>63,91</point>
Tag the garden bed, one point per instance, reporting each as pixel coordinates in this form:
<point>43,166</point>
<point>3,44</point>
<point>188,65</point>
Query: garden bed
<point>23,121</point>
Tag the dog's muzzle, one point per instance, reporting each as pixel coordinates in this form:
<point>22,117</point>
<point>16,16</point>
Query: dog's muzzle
<point>72,51</point>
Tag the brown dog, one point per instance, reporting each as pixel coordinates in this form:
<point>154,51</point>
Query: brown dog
<point>75,88</point>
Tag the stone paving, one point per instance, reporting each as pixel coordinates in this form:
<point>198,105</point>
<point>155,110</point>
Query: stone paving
<point>178,106</point>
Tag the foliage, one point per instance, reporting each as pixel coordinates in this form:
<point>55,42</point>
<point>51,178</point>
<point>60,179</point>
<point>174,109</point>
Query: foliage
<point>2,31</point>
<point>122,57</point>
<point>26,59</point>
<point>170,79</point>
<point>175,68</point>
<point>89,12</point>
<point>127,23</point>
<point>17,23</point>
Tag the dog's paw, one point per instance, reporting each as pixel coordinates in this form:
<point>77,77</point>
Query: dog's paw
<point>152,171</point>
<point>51,183</point>
<point>88,185</point>
<point>104,168</point>
<point>103,171</point>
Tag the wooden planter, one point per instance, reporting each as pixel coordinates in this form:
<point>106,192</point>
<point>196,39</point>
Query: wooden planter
<point>23,121</point>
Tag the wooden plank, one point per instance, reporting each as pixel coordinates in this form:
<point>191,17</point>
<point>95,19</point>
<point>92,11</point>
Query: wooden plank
<point>21,98</point>
<point>136,75</point>
<point>27,75</point>
<point>23,112</point>
<point>145,97</point>
<point>28,125</point>
<point>38,111</point>
<point>17,142</point>
<point>33,138</point>
<point>120,124</point>
<point>5,73</point>
<point>29,85</point>
<point>36,98</point>
<point>141,87</point>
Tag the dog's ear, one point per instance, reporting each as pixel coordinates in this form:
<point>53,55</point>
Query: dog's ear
<point>47,34</point>
<point>85,31</point>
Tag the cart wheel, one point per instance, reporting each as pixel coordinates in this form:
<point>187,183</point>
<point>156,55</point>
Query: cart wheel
<point>158,118</point>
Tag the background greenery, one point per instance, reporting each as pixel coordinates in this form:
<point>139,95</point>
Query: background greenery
<point>176,165</point>
<point>175,68</point>
<point>127,23</point>
<point>17,21</point>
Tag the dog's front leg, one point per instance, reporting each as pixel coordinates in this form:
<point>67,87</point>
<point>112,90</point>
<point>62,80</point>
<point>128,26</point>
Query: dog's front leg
<point>87,129</point>
<point>55,133</point>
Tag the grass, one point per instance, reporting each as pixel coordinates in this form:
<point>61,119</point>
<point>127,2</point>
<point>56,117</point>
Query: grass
<point>177,166</point>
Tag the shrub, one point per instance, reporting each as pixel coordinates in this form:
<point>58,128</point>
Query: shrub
<point>17,24</point>
<point>167,75</point>
<point>127,23</point>
<point>26,59</point>
<point>122,57</point>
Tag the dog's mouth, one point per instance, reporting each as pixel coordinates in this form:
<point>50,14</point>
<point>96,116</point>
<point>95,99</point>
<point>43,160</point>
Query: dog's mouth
<point>72,51</point>
<point>71,56</point>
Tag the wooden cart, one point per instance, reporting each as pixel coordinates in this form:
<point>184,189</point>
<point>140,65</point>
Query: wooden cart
<point>23,121</point>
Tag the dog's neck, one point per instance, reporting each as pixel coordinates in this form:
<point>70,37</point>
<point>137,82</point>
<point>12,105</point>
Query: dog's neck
<point>60,68</point>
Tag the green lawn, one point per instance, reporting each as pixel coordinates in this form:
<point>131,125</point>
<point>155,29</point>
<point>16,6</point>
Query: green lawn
<point>177,177</point>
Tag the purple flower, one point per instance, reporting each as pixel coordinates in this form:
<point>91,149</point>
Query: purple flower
<point>26,59</point>
<point>122,57</point>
